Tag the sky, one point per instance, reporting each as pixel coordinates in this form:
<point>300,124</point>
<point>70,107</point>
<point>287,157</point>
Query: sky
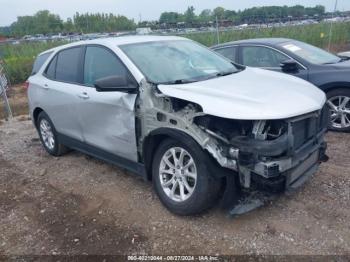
<point>147,9</point>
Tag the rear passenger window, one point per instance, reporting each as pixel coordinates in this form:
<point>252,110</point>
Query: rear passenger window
<point>39,61</point>
<point>228,52</point>
<point>101,63</point>
<point>51,70</point>
<point>67,66</point>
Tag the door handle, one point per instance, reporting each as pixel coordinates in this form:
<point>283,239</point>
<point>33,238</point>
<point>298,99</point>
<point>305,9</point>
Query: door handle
<point>46,86</point>
<point>84,95</point>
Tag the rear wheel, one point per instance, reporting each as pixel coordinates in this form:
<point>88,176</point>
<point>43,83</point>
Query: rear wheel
<point>339,105</point>
<point>181,178</point>
<point>48,136</point>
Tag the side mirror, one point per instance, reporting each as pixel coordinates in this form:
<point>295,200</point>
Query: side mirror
<point>289,66</point>
<point>115,83</point>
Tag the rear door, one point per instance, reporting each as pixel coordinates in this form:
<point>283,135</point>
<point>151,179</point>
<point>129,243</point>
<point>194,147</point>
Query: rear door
<point>60,91</point>
<point>107,118</point>
<point>268,58</point>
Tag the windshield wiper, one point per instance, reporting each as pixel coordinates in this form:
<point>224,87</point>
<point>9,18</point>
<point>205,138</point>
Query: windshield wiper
<point>226,73</point>
<point>332,63</point>
<point>197,79</point>
<point>177,82</point>
<point>342,59</point>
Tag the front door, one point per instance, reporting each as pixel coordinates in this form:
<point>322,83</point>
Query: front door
<point>268,58</point>
<point>107,118</point>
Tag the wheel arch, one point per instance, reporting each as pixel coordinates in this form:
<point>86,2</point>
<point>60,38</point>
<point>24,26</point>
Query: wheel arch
<point>36,113</point>
<point>333,86</point>
<point>155,138</point>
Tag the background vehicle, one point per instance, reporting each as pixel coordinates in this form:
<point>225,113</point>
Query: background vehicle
<point>344,54</point>
<point>325,70</point>
<point>166,108</point>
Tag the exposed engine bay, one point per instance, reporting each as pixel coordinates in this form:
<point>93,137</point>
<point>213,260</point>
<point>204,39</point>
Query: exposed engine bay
<point>270,151</point>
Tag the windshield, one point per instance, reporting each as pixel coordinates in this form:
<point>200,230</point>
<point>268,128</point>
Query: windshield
<point>177,62</point>
<point>312,54</point>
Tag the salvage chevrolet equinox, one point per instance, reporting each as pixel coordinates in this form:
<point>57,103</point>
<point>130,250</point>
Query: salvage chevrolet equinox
<point>179,114</point>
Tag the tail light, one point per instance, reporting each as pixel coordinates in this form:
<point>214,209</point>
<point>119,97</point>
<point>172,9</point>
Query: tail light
<point>26,85</point>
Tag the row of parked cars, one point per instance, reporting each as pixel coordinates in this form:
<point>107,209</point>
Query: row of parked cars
<point>199,124</point>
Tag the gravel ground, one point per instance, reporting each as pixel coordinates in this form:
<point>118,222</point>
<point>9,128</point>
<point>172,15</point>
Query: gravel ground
<point>78,205</point>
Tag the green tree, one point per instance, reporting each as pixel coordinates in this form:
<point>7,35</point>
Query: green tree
<point>205,16</point>
<point>219,12</point>
<point>42,22</point>
<point>190,16</point>
<point>170,17</point>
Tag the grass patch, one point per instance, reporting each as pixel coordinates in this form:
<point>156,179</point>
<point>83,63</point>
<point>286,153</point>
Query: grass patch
<point>317,34</point>
<point>18,59</point>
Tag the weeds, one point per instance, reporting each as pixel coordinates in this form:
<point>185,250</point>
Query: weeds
<point>18,59</point>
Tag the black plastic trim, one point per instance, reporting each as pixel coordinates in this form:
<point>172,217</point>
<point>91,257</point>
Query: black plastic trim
<point>266,148</point>
<point>134,167</point>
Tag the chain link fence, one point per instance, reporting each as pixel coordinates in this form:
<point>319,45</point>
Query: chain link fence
<point>4,86</point>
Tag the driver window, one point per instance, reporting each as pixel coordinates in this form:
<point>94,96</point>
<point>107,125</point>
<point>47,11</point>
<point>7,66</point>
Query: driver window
<point>100,63</point>
<point>257,56</point>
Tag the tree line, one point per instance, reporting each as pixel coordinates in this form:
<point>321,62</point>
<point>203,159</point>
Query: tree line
<point>44,22</point>
<point>250,15</point>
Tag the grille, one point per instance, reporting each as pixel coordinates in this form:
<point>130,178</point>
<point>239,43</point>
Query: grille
<point>306,129</point>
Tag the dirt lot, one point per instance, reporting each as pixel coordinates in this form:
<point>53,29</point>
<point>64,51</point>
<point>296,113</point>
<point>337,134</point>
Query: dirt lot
<point>18,101</point>
<point>78,205</point>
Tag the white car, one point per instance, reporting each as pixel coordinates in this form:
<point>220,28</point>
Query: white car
<point>179,114</point>
<point>344,54</point>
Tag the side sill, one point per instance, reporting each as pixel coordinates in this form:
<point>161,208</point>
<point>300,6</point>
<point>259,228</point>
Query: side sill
<point>133,167</point>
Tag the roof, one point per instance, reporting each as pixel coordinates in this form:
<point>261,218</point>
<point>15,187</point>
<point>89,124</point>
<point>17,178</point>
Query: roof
<point>117,41</point>
<point>264,41</point>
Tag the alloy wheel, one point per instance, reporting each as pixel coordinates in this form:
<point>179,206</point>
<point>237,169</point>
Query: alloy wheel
<point>339,111</point>
<point>178,174</point>
<point>47,134</point>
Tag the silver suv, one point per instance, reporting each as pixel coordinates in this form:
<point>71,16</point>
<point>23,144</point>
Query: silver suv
<point>176,113</point>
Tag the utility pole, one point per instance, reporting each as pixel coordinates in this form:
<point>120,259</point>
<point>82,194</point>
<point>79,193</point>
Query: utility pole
<point>331,27</point>
<point>87,24</point>
<point>217,30</point>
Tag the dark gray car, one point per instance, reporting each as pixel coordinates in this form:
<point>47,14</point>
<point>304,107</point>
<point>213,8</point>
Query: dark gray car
<point>329,72</point>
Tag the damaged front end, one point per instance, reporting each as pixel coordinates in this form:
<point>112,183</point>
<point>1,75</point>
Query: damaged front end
<point>274,155</point>
<point>271,155</point>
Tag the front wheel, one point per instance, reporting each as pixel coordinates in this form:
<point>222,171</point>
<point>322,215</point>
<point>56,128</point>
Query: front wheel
<point>339,106</point>
<point>181,178</point>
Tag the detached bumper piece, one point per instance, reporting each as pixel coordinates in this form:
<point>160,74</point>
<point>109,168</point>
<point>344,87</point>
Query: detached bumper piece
<point>263,190</point>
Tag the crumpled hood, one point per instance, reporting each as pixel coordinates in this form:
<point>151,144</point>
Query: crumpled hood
<point>253,94</point>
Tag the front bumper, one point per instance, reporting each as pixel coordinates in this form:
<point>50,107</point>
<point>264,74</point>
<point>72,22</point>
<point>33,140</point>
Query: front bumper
<point>303,148</point>
<point>293,174</point>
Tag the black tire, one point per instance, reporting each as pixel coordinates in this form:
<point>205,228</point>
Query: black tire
<point>332,94</point>
<point>58,149</point>
<point>207,188</point>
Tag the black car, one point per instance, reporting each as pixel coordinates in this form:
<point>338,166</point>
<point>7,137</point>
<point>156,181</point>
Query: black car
<point>329,72</point>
